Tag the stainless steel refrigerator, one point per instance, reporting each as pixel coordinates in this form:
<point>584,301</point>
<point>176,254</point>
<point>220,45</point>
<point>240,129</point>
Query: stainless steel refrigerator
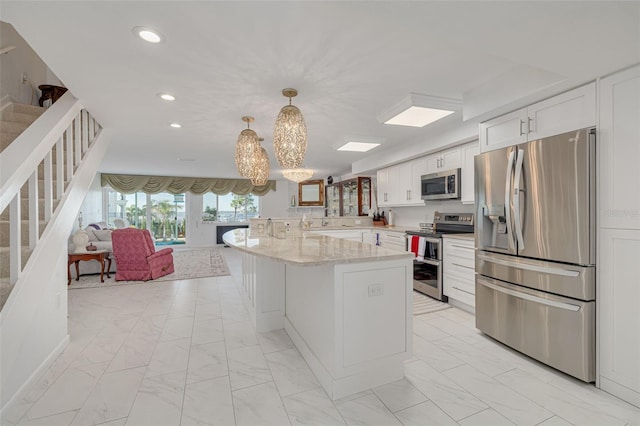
<point>535,257</point>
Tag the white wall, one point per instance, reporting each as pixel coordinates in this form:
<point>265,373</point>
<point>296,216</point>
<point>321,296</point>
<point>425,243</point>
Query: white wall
<point>18,61</point>
<point>276,203</point>
<point>92,205</point>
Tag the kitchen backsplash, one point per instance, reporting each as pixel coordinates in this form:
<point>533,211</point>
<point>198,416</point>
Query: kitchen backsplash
<point>411,216</point>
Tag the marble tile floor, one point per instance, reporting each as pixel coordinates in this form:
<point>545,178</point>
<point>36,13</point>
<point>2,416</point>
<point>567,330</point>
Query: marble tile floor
<point>184,353</point>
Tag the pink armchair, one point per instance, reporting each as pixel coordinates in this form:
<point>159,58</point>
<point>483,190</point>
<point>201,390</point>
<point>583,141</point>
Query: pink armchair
<point>136,257</point>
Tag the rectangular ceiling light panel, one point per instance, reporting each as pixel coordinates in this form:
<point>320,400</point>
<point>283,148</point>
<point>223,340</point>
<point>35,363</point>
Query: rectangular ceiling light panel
<point>419,110</point>
<point>358,146</point>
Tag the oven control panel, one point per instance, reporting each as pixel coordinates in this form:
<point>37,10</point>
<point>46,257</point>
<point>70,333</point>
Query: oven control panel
<point>453,218</point>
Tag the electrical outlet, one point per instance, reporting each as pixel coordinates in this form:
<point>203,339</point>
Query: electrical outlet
<point>24,78</point>
<point>287,226</point>
<point>358,222</point>
<point>376,290</point>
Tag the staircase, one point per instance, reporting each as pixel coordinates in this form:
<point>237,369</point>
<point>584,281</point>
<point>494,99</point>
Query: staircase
<point>46,170</point>
<point>14,119</point>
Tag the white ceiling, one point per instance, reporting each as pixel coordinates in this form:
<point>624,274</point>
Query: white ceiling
<point>350,61</point>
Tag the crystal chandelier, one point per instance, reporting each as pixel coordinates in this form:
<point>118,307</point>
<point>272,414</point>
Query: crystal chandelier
<point>260,169</point>
<point>290,134</point>
<point>247,147</point>
<point>298,174</point>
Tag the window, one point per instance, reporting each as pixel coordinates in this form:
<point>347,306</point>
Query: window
<point>163,214</point>
<point>131,207</point>
<point>229,207</point>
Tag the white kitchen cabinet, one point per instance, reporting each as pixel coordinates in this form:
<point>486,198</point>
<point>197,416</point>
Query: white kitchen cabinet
<point>618,316</point>
<point>572,110</point>
<point>384,185</point>
<point>505,130</point>
<point>418,168</point>
<point>458,271</point>
<point>399,185</point>
<point>445,160</point>
<point>392,240</point>
<point>618,147</point>
<point>469,152</point>
<point>618,250</point>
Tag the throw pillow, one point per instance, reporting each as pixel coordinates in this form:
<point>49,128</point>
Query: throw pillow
<point>103,234</point>
<point>94,226</point>
<point>89,230</point>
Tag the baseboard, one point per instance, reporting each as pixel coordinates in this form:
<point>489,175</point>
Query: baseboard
<point>624,393</point>
<point>5,101</point>
<point>37,374</point>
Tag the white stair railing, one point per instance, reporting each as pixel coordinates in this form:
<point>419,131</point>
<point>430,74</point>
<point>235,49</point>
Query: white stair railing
<point>65,131</point>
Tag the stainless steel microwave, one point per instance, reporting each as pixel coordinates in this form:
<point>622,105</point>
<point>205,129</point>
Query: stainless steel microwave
<point>443,185</point>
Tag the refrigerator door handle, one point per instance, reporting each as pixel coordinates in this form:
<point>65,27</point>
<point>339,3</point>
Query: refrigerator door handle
<point>531,298</point>
<point>507,201</point>
<point>516,199</point>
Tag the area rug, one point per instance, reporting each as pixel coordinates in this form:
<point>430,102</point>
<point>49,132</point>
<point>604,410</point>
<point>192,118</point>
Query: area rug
<point>425,305</point>
<point>188,264</point>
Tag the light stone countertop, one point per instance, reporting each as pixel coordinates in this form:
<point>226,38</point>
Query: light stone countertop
<point>309,249</point>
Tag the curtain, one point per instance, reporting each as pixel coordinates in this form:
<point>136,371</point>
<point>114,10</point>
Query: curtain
<point>129,184</point>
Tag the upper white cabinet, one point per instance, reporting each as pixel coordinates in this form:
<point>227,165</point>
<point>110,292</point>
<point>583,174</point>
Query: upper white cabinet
<point>445,160</point>
<point>418,168</point>
<point>572,110</point>
<point>618,147</point>
<point>469,151</point>
<point>399,185</point>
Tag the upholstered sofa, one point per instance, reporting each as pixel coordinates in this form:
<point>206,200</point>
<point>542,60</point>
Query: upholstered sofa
<point>100,237</point>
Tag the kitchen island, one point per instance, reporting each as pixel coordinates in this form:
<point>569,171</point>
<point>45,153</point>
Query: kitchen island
<point>346,305</point>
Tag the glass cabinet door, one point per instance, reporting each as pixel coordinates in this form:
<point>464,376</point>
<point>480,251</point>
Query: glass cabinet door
<point>332,200</point>
<point>365,196</point>
<point>356,196</point>
<point>350,197</point>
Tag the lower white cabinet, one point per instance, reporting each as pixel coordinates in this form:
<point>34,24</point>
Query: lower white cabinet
<point>458,257</point>
<point>617,302</point>
<point>392,240</point>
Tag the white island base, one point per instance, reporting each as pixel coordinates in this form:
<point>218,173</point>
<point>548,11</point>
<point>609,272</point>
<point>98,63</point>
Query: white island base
<point>352,322</point>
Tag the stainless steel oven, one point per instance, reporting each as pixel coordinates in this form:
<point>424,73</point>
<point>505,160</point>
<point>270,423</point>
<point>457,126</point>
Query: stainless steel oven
<point>426,244</point>
<point>427,269</point>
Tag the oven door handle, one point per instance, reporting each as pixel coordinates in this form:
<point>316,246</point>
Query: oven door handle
<point>430,262</point>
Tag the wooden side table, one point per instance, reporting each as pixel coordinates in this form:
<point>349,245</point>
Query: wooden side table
<point>100,255</point>
<point>50,91</point>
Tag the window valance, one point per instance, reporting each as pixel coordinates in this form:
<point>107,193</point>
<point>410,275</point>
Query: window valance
<point>129,184</point>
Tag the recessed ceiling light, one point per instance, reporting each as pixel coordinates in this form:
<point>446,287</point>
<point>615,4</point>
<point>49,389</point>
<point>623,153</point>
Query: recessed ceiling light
<point>185,159</point>
<point>419,110</point>
<point>167,97</point>
<point>358,146</point>
<point>147,34</point>
<point>175,125</point>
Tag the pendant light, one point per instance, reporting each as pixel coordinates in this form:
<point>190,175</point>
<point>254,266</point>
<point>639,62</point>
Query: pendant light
<point>290,134</point>
<point>298,174</point>
<point>260,169</point>
<point>246,148</point>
